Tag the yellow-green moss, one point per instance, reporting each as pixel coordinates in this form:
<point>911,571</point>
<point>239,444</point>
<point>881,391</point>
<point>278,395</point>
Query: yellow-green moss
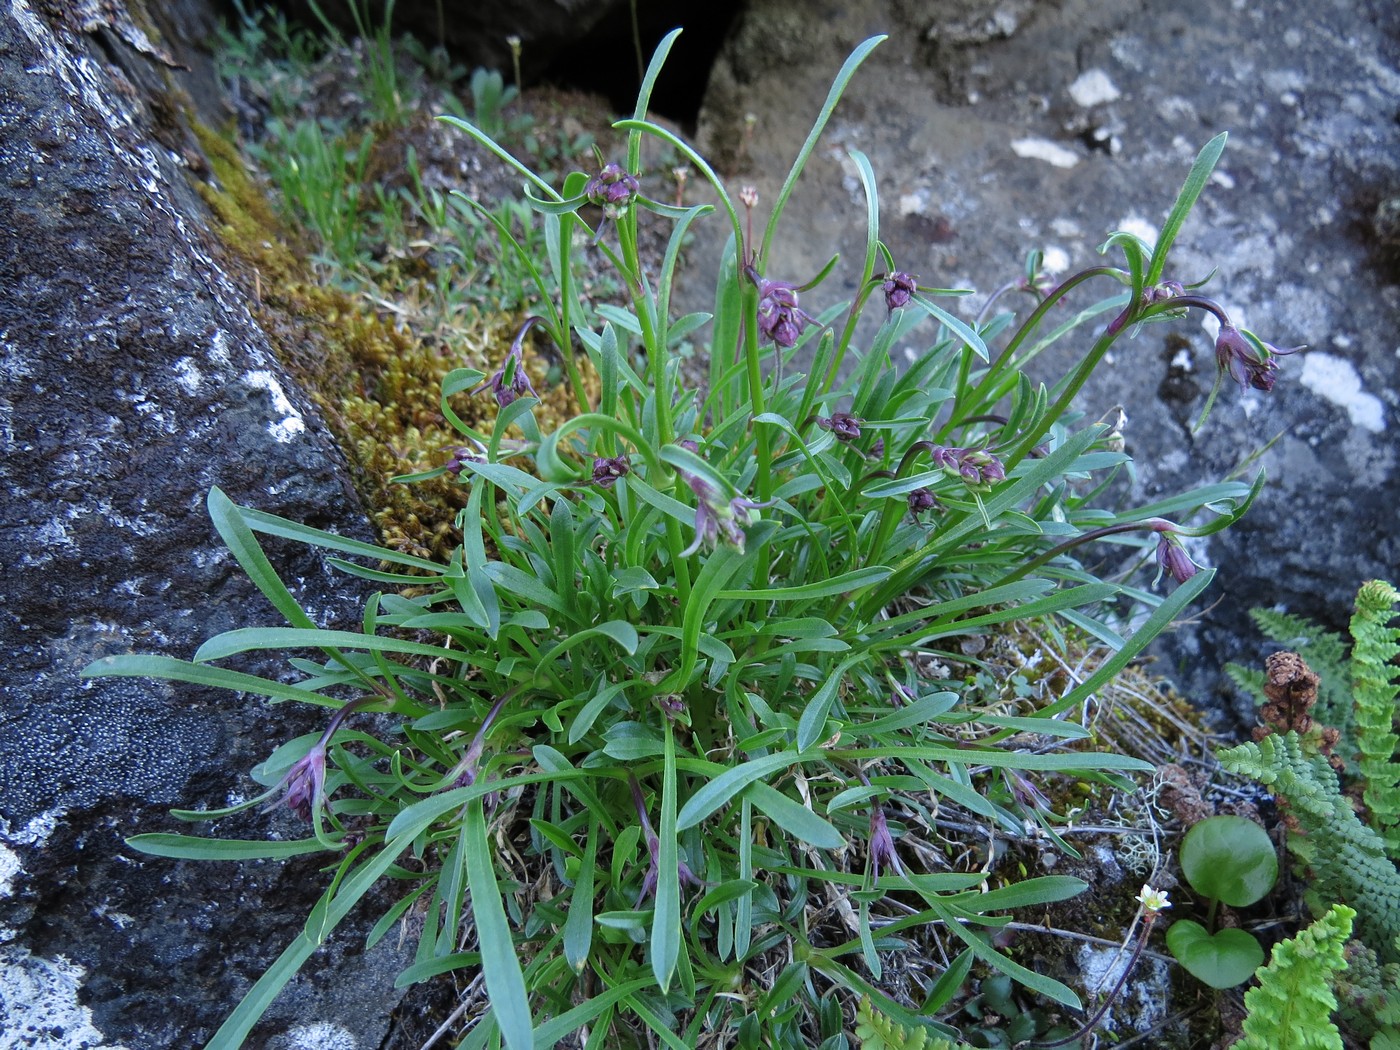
<point>378,386</point>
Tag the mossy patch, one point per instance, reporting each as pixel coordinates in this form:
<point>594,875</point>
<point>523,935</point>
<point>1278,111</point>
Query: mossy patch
<point>377,385</point>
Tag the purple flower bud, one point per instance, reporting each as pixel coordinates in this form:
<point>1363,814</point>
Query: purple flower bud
<point>843,425</point>
<point>1160,293</point>
<point>1172,558</point>
<point>877,449</point>
<point>607,469</point>
<point>613,188</point>
<point>945,457</point>
<point>921,500</point>
<point>899,288</point>
<point>977,468</point>
<point>462,456</point>
<point>881,847</point>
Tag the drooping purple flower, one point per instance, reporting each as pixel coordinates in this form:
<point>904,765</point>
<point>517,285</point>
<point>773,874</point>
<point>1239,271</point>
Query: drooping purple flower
<point>460,457</point>
<point>613,188</point>
<point>304,786</point>
<point>717,520</point>
<point>510,381</point>
<point>607,469</point>
<point>899,288</point>
<point>780,319</point>
<point>1172,558</point>
<point>881,847</point>
<point>654,848</point>
<point>921,500</point>
<point>1247,359</point>
<point>1026,793</point>
<point>843,426</point>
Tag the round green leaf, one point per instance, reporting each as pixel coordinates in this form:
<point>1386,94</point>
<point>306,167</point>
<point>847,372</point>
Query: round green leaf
<point>1229,859</point>
<point>1222,960</point>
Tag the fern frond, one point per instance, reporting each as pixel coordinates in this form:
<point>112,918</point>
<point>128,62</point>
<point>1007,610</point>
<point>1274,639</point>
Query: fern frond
<point>1247,680</point>
<point>1346,859</point>
<point>1375,685</point>
<point>878,1032</point>
<point>1293,1004</point>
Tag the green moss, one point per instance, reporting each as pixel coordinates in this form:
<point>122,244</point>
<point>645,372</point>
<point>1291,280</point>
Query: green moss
<point>378,386</point>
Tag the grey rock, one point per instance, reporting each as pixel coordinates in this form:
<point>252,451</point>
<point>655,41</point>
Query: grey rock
<point>996,128</point>
<point>134,379</point>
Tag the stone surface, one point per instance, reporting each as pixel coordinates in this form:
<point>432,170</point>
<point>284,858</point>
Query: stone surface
<point>133,380</point>
<point>996,127</point>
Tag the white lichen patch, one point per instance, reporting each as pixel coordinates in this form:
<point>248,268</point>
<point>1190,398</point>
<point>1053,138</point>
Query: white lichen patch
<point>34,833</point>
<point>9,868</point>
<point>1044,149</point>
<point>1093,88</point>
<point>39,1004</point>
<point>320,1037</point>
<point>1337,380</point>
<point>291,423</point>
<point>188,376</point>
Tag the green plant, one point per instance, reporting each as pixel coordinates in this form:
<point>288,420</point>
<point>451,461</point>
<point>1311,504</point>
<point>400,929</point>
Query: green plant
<point>674,667</point>
<point>385,95</point>
<point>1292,1004</point>
<point>1228,860</point>
<point>1342,858</point>
<point>321,176</point>
<point>490,96</point>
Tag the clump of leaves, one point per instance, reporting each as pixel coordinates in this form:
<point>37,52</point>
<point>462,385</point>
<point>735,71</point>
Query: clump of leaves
<point>658,738</point>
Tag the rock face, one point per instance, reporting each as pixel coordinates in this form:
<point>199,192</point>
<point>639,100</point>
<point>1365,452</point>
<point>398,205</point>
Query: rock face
<point>134,379</point>
<point>998,126</point>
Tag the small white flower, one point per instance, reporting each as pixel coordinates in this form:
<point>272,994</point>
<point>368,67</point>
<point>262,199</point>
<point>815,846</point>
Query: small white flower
<point>1153,900</point>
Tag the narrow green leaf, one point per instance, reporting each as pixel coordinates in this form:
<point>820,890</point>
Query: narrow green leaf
<point>666,922</point>
<point>813,721</point>
<point>192,847</point>
<point>235,1029</point>
<point>550,1033</point>
<point>1040,890</point>
<point>138,666</point>
<point>838,88</point>
<point>500,965</point>
<point>578,924</point>
<point>846,581</point>
<point>272,525</point>
<point>961,329</point>
<point>246,638</point>
<point>724,787</point>
<point>233,529</point>
<point>794,818</point>
<point>1196,181</point>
